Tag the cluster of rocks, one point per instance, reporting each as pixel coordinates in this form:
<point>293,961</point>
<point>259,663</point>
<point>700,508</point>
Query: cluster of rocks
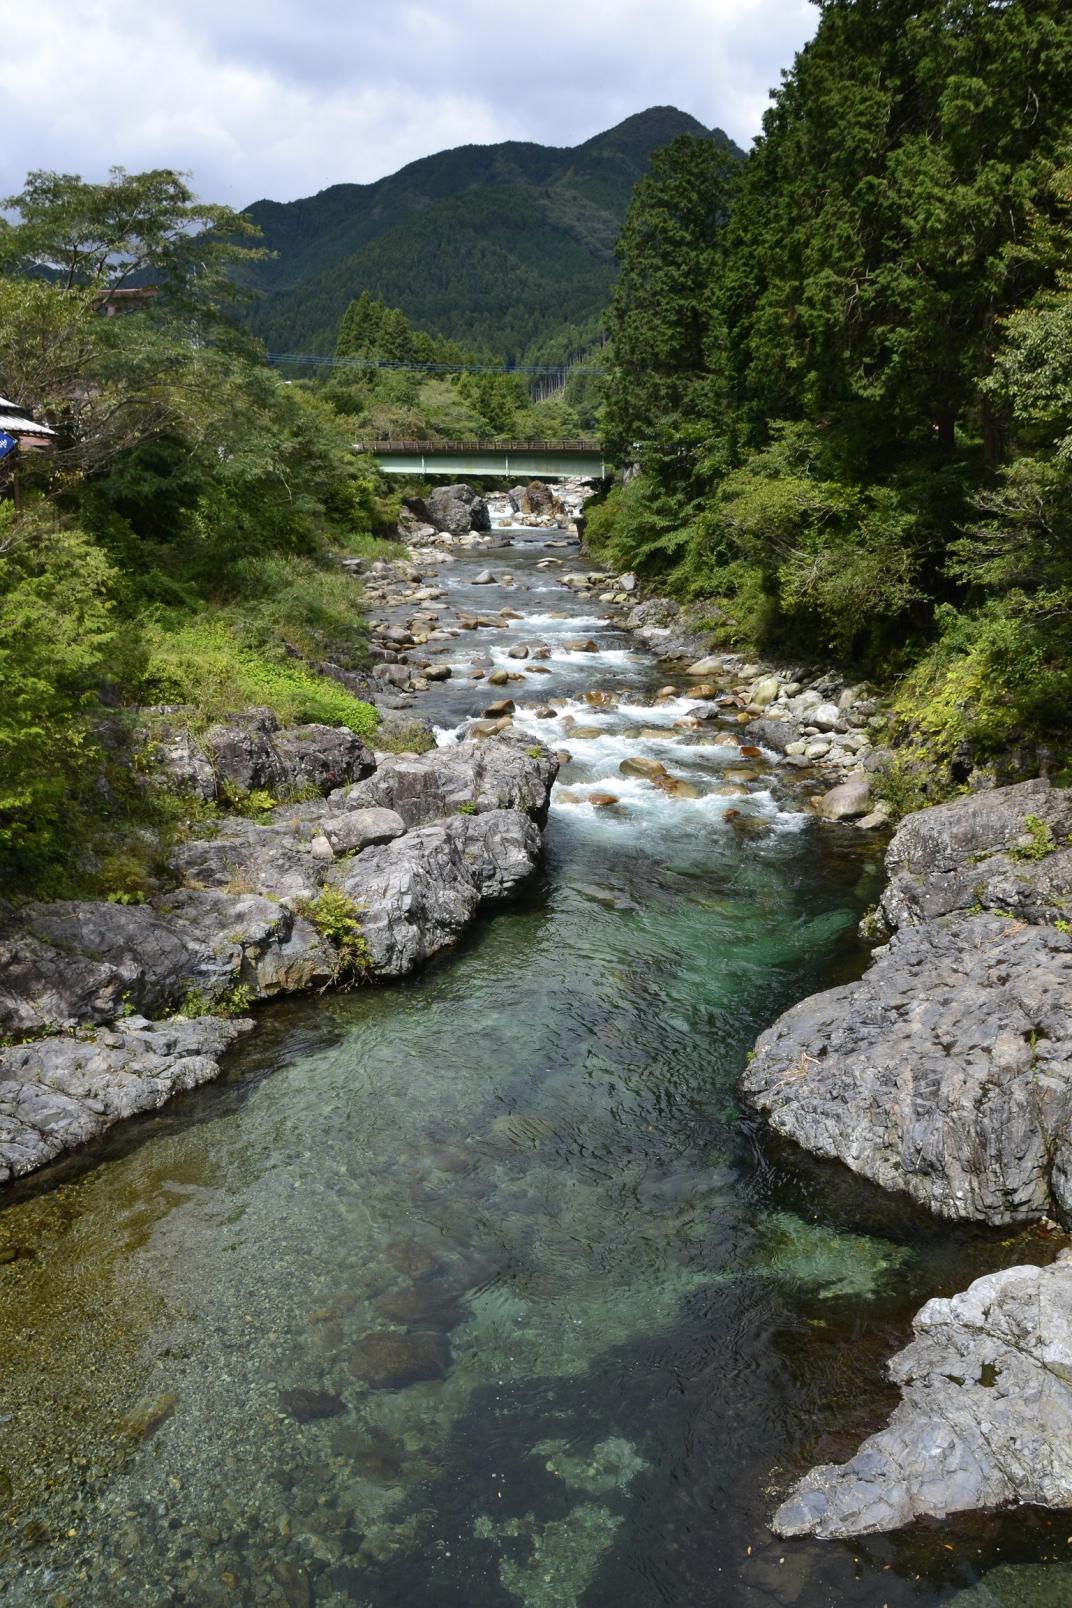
<point>814,721</point>
<point>413,844</point>
<point>447,514</point>
<point>945,1073</point>
<point>539,506</point>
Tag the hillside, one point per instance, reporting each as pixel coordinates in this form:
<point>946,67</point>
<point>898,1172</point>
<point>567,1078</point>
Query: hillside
<point>499,245</point>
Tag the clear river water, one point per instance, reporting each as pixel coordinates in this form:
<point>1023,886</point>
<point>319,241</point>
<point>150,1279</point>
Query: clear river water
<point>645,1317</point>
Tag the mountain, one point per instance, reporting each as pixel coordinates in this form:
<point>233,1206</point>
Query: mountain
<point>497,246</point>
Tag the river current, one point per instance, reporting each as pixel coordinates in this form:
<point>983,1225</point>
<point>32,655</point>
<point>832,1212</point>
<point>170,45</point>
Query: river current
<point>644,1317</point>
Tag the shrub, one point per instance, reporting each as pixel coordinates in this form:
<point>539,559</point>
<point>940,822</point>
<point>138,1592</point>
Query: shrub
<point>336,917</point>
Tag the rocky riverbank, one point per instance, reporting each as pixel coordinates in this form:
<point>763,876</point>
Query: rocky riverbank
<point>946,1074</point>
<point>364,881</point>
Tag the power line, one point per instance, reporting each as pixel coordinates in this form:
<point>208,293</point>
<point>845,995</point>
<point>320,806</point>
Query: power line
<point>321,361</point>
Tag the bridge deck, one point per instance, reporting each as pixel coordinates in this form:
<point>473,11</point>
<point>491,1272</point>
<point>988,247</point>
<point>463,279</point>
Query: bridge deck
<point>553,460</point>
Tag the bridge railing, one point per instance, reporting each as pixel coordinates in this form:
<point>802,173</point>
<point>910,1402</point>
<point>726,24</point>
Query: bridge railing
<point>440,445</point>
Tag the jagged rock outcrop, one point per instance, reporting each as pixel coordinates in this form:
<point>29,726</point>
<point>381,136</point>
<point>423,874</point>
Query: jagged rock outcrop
<point>62,1092</point>
<point>238,916</point>
<point>985,1417</point>
<point>250,752</point>
<point>946,1072</point>
<point>458,509</point>
<point>428,842</point>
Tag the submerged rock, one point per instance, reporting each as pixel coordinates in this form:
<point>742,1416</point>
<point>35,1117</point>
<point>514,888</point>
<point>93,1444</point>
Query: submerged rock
<point>985,1417</point>
<point>390,1361</point>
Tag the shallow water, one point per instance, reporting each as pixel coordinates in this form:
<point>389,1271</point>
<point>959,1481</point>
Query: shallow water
<point>525,1174</point>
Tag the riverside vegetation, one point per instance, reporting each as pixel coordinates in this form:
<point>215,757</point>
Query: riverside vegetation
<point>844,368</point>
<point>179,545</point>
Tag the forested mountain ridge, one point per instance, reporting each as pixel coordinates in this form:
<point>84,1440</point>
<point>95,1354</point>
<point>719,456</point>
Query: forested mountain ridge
<point>493,245</point>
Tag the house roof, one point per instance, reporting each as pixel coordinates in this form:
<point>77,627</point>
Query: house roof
<point>19,422</point>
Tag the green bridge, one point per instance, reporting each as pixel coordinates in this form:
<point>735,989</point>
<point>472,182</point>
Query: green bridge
<point>548,460</point>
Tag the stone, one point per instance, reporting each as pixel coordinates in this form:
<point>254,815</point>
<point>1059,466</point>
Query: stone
<point>518,651</point>
<point>418,894</point>
<point>391,1361</point>
<point>984,1420</point>
<point>502,706</point>
<point>880,816</point>
<point>430,787</point>
<point>499,678</point>
<point>627,582</point>
<point>456,510</point>
<point>305,1406</point>
<point>485,578</point>
<point>846,802</point>
<point>777,735</point>
<point>581,645</point>
<point>712,665</point>
<point>61,1092</point>
<point>349,831</point>
<point>825,715</point>
<point>946,1071</point>
<point>602,800</point>
<point>764,692</point>
<point>639,766</point>
<point>676,787</point>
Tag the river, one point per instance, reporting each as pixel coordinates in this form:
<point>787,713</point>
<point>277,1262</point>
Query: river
<point>642,1317</point>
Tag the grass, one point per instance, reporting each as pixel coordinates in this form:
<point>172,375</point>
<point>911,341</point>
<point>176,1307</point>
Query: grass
<point>206,662</point>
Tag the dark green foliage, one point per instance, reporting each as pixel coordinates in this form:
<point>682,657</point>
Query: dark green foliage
<point>495,246</point>
<point>846,368</point>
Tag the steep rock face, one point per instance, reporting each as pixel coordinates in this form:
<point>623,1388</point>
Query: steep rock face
<point>985,1417</point>
<point>946,1072</point>
<point>62,1092</point>
<point>458,509</point>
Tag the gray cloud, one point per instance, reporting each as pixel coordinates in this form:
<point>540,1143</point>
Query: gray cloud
<point>265,98</point>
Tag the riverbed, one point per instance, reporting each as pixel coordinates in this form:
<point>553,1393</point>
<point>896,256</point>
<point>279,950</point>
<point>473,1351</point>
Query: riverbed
<point>480,1290</point>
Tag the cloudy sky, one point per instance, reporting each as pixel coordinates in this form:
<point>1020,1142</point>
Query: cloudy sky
<point>277,98</point>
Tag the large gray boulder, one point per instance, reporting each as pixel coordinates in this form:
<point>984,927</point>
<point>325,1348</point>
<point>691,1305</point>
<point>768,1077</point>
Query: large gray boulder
<point>418,894</point>
<point>946,1072</point>
<point>985,1417</point>
<point>61,1092</point>
<point>497,775</point>
<point>249,752</point>
<point>458,509</point>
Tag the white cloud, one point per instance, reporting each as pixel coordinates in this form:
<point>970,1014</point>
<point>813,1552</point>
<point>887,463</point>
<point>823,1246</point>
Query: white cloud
<point>264,98</point>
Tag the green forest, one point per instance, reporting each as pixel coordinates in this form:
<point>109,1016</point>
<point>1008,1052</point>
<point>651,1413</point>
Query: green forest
<point>178,546</point>
<point>499,247</point>
<point>844,369</point>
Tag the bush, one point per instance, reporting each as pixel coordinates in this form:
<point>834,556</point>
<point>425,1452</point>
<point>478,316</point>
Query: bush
<point>57,637</point>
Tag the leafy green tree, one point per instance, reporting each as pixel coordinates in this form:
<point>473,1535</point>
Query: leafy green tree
<point>58,630</point>
<point>144,227</point>
<point>667,385</point>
